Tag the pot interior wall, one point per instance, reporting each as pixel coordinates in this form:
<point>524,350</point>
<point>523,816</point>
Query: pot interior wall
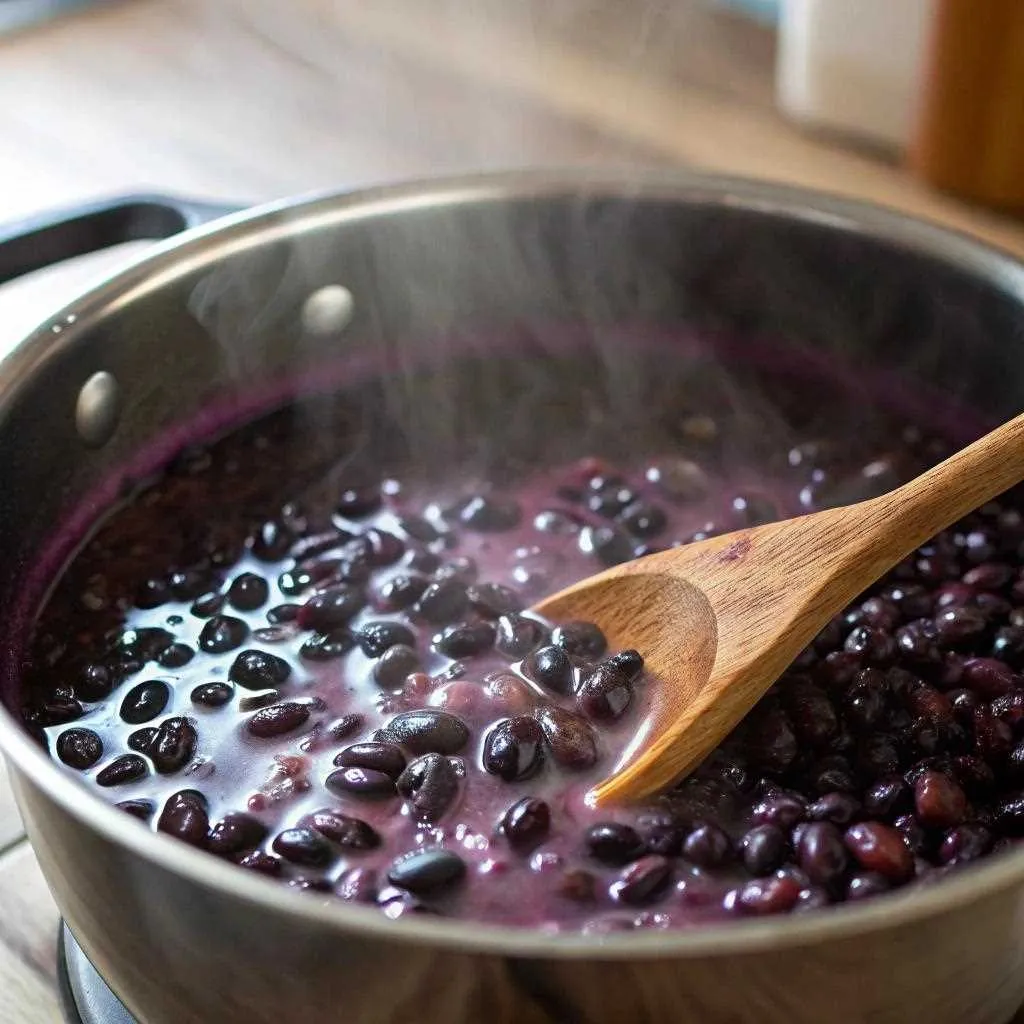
<point>494,333</point>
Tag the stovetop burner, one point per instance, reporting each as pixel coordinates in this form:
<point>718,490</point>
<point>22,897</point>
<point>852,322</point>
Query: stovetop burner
<point>84,996</point>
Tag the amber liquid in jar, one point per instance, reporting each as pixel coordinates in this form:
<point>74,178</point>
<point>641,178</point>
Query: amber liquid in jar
<point>970,132</point>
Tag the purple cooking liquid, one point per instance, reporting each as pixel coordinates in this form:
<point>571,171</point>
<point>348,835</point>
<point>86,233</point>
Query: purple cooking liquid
<point>886,755</point>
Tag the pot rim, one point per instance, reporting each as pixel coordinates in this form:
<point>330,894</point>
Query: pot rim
<point>202,246</point>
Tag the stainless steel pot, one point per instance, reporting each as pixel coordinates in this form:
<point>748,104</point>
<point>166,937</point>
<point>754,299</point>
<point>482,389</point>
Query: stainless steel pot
<point>182,937</point>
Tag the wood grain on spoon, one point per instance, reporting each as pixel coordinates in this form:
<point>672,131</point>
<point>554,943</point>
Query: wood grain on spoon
<point>719,621</point>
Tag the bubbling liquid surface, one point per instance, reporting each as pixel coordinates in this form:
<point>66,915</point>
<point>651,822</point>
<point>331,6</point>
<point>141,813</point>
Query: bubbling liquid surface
<point>339,688</point>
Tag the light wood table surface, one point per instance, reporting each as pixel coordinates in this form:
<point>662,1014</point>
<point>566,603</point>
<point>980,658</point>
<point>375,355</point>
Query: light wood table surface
<point>244,100</point>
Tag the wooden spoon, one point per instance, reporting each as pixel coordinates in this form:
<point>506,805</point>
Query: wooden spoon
<point>718,621</point>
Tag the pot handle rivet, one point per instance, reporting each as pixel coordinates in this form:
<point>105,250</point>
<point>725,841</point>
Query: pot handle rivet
<point>98,409</point>
<point>328,310</point>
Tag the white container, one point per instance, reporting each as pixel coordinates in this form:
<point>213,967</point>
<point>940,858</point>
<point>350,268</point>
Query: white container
<point>853,66</point>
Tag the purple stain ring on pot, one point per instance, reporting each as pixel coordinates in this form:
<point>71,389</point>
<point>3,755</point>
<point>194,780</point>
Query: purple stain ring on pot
<point>488,756</point>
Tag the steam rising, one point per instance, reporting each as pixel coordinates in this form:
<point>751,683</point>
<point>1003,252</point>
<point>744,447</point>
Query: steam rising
<point>555,332</point>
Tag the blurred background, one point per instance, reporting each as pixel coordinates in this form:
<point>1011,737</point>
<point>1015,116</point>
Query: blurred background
<point>906,103</point>
<point>917,104</point>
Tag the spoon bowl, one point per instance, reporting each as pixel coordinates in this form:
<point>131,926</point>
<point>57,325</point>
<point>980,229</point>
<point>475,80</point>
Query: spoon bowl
<point>720,620</point>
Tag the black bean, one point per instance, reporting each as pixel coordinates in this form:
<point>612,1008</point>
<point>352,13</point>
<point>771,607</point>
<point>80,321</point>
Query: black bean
<point>307,548</point>
<point>212,695</point>
<point>642,880</point>
<point>144,643</point>
<point>580,639</point>
<point>400,592</point>
<point>362,782</point>
<point>331,608</point>
<point>881,849</point>
<point>570,738</point>
<point>185,817</point>
<point>145,701</point>
<point>258,670</point>
<point>769,742</point>
<point>59,707</point>
<point>629,662</point>
<point>273,634</point>
<point>838,808</point>
<point>176,656</point>
<point>518,635</point>
<point>248,592</point>
<point>294,582</point>
<point>964,843</point>
<point>988,677</point>
<point>262,863</point>
<point>875,646</point>
<point>207,604</point>
<point>383,548</point>
<point>821,853</point>
<point>79,748</point>
<point>938,801</point>
<point>430,784</point>
<point>348,832</point>
<point>678,479</point>
<point>95,682</point>
<point>1008,646</point>
<point>613,843</point>
<point>141,809</point>
<point>278,719</point>
<point>810,712</point>
<point>526,823</point>
<point>271,541</point>
<point>462,569</point>
<point>513,749</point>
<point>142,740</point>
<point>609,545</point>
<point>442,602</point>
<point>173,746</point>
<point>152,593</point>
<point>643,519</point>
<point>282,613</point>
<point>426,732</point>
<point>611,500</point>
<point>327,646</point>
<point>235,833</point>
<point>394,665</point>
<point>763,849</point>
<point>381,757</point>
<point>490,514</point>
<point>604,693</point>
<point>304,846</point>
<point>189,584</point>
<point>864,885</point>
<point>661,833</point>
<point>426,870</point>
<point>222,633</point>
<point>347,725</point>
<point>707,846</point>
<point>551,668</point>
<point>492,600</point>
<point>254,701</point>
<point>357,502</point>
<point>465,639</point>
<point>377,637</point>
<point>357,885</point>
<point>419,529</point>
<point>763,896</point>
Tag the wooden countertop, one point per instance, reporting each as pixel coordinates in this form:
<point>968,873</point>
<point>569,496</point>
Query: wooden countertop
<point>245,100</point>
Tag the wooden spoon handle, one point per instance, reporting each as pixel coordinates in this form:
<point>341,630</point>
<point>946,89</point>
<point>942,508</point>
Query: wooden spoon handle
<point>912,514</point>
